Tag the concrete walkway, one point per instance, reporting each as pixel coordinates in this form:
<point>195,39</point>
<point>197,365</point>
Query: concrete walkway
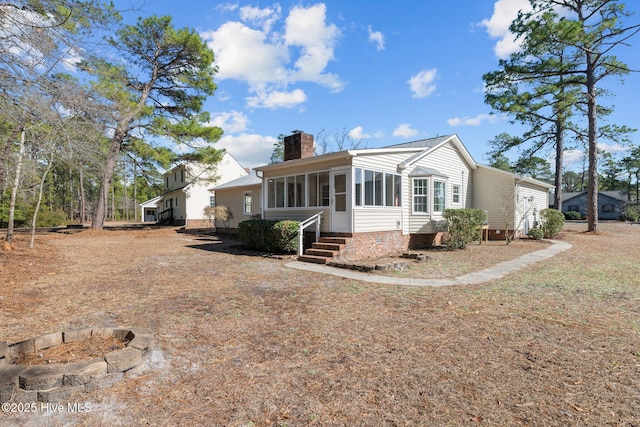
<point>498,271</point>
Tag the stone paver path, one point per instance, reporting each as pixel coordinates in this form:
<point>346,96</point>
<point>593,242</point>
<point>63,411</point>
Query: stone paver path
<point>498,271</point>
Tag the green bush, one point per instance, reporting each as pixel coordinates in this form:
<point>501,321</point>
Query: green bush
<point>535,233</point>
<point>47,218</point>
<point>630,214</point>
<point>269,235</point>
<point>572,216</point>
<point>463,225</point>
<point>551,222</point>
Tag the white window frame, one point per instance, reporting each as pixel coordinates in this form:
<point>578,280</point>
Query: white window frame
<point>455,193</point>
<point>427,187</point>
<point>444,197</point>
<point>248,205</point>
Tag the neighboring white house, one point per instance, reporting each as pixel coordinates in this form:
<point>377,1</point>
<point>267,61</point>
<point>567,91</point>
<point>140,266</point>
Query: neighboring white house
<point>382,200</point>
<point>149,209</point>
<point>188,192</point>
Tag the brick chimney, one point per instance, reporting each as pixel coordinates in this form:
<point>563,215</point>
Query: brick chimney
<point>298,145</point>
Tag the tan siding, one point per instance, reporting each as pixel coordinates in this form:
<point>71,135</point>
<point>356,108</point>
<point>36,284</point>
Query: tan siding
<point>495,192</point>
<point>381,162</point>
<point>448,161</point>
<point>491,189</point>
<point>377,219</point>
<point>233,199</point>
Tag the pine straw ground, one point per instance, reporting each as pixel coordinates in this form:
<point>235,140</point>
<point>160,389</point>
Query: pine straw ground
<point>245,341</point>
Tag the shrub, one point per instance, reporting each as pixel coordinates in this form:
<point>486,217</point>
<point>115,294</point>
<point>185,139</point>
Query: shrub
<point>269,235</point>
<point>630,214</point>
<point>535,233</point>
<point>463,226</point>
<point>551,222</point>
<point>47,218</point>
<point>572,216</point>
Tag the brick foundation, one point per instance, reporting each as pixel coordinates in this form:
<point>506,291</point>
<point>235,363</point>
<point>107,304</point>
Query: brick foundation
<point>381,243</point>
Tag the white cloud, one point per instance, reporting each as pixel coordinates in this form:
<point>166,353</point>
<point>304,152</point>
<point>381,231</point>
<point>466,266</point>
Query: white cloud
<point>306,28</point>
<point>572,157</point>
<point>251,150</point>
<point>613,149</point>
<point>472,121</point>
<point>231,121</point>
<point>277,99</point>
<point>270,60</point>
<point>404,130</point>
<point>358,134</point>
<point>226,7</point>
<point>265,18</point>
<point>422,84</point>
<point>376,37</point>
<point>245,54</point>
<point>504,12</point>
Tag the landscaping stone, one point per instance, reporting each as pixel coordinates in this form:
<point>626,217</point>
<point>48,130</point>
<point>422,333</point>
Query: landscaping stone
<point>42,377</point>
<point>123,334</point>
<point>76,335</point>
<point>53,383</point>
<point>104,381</point>
<point>58,394</point>
<point>19,396</point>
<point>17,349</point>
<point>46,341</point>
<point>122,360</point>
<point>4,351</point>
<point>105,332</point>
<point>83,372</point>
<point>9,377</point>
<point>142,342</point>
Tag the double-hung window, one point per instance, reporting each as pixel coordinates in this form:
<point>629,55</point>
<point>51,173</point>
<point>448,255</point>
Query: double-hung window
<point>439,196</point>
<point>420,195</point>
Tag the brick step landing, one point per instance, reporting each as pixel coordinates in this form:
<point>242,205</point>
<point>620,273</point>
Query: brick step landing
<point>325,250</point>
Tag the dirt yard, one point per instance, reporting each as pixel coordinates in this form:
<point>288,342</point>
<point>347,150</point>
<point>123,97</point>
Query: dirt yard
<point>243,340</point>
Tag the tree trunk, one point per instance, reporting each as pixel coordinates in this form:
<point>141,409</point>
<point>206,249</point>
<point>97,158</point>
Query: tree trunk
<point>557,202</point>
<point>100,211</point>
<point>592,193</point>
<point>34,219</point>
<point>4,157</point>
<point>83,207</point>
<point>15,188</point>
<point>135,193</point>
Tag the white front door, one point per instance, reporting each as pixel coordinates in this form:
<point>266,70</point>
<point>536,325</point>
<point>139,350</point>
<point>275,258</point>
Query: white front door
<point>340,200</point>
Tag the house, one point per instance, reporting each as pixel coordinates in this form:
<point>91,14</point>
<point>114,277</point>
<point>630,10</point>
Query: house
<point>149,210</point>
<point>376,201</point>
<point>187,190</point>
<point>243,199</point>
<point>611,204</point>
<point>511,201</point>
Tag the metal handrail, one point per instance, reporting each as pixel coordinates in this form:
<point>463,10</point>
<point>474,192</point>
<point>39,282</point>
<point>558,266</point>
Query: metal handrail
<point>306,223</point>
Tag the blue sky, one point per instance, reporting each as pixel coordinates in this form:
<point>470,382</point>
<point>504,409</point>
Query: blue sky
<point>383,72</point>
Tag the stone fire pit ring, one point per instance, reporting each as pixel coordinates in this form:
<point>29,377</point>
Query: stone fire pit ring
<point>55,382</point>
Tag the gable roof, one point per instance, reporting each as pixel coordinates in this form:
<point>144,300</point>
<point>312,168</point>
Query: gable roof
<point>517,177</point>
<point>424,171</point>
<point>244,181</point>
<point>617,195</point>
<point>420,148</point>
<point>422,143</point>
